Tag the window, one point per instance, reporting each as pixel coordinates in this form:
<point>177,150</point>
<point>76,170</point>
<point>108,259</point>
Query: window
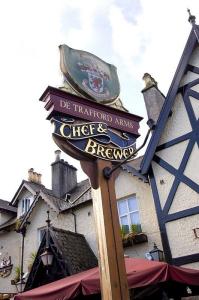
<point>25,205</point>
<point>129,214</point>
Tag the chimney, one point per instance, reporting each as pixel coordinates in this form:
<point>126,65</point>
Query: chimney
<point>30,175</point>
<point>153,98</point>
<point>34,176</point>
<point>64,177</point>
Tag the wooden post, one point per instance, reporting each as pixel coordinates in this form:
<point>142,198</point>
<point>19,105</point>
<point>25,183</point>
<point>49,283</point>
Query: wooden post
<point>111,255</point>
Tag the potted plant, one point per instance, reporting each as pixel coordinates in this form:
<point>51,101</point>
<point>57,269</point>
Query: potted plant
<point>127,242</point>
<point>17,275</point>
<point>135,236</point>
<point>31,260</point>
<point>138,235</point>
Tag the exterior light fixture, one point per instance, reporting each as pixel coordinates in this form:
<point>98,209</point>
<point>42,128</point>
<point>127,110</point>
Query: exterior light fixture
<point>20,285</point>
<point>156,253</point>
<point>47,256</point>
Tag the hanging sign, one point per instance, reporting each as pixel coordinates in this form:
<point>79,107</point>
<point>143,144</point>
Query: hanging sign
<point>97,135</point>
<point>89,74</point>
<point>5,266</point>
<point>95,139</point>
<point>90,129</point>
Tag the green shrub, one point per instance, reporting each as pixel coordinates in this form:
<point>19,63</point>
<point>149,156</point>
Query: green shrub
<point>136,228</point>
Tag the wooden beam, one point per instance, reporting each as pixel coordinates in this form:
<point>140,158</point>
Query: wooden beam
<point>111,255</point>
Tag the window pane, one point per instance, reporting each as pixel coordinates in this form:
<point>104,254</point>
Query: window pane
<point>122,205</point>
<point>132,202</point>
<point>125,224</point>
<point>124,220</point>
<point>28,204</point>
<point>135,219</point>
<point>23,206</point>
<point>125,229</point>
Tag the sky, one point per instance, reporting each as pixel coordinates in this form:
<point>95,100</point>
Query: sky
<point>137,36</point>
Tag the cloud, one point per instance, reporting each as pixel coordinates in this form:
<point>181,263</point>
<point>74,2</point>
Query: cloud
<point>136,36</point>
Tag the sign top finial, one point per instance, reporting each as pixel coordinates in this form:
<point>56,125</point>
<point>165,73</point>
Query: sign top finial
<point>192,18</point>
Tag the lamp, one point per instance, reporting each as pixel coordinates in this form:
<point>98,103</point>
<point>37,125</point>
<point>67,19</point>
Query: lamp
<point>47,256</point>
<point>20,285</point>
<point>156,253</point>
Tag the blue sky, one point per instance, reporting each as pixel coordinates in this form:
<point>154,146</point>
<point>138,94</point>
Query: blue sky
<point>136,36</point>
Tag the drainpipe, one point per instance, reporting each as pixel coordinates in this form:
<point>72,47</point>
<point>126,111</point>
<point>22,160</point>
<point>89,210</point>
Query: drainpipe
<point>75,220</point>
<point>23,233</point>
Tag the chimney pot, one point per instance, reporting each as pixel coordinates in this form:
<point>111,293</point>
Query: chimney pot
<point>57,155</point>
<point>149,81</point>
<point>30,174</point>
<point>39,178</point>
<point>34,176</point>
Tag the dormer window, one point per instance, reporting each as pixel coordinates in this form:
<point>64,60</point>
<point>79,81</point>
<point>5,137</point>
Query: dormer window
<point>25,205</point>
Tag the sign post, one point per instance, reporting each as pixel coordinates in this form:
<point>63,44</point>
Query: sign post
<point>99,136</point>
<point>111,255</point>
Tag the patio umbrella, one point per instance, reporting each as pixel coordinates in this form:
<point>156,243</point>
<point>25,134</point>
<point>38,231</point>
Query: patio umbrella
<point>140,273</point>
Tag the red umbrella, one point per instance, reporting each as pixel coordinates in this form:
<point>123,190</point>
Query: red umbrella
<point>140,273</point>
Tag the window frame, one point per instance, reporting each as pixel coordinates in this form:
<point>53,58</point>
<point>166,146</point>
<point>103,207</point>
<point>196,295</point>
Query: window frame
<point>26,203</point>
<point>129,212</point>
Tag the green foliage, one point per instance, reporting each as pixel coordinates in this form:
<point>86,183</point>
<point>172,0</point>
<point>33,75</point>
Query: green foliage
<point>17,224</point>
<point>17,273</point>
<point>33,256</point>
<point>122,232</point>
<point>31,260</point>
<point>136,228</point>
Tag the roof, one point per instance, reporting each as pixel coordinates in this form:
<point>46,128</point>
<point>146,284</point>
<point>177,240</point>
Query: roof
<point>5,205</point>
<point>164,114</point>
<point>32,186</point>
<point>79,195</point>
<point>72,254</point>
<point>74,249</point>
<point>8,224</point>
<point>133,167</point>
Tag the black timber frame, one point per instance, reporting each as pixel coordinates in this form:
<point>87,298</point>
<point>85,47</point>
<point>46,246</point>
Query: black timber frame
<point>163,212</point>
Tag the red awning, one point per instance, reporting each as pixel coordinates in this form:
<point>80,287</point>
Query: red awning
<point>140,273</point>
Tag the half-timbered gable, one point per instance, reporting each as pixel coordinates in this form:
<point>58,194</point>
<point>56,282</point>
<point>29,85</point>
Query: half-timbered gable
<point>172,161</point>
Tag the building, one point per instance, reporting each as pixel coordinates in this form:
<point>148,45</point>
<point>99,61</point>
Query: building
<point>171,159</point>
<point>23,222</point>
<point>157,194</point>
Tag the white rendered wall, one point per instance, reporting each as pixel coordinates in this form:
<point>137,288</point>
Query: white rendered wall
<point>127,185</point>
<point>180,232</point>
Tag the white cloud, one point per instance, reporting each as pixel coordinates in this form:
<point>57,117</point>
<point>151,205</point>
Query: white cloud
<point>150,39</point>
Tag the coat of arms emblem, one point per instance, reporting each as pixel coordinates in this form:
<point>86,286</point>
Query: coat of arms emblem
<point>89,75</point>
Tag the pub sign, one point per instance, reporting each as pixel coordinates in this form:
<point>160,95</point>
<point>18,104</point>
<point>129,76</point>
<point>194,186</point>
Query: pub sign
<point>86,126</point>
<point>89,74</point>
